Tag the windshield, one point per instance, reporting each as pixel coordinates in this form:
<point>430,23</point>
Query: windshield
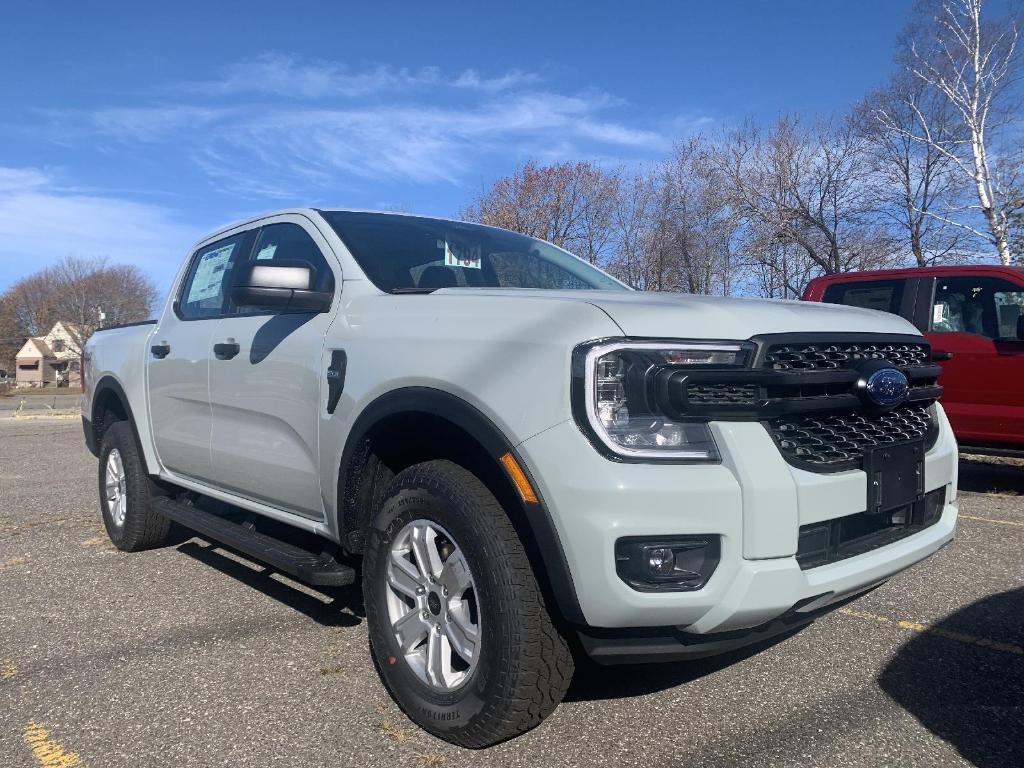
<point>409,253</point>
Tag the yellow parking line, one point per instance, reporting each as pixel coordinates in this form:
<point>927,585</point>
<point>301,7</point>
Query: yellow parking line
<point>47,752</point>
<point>993,520</point>
<point>960,637</point>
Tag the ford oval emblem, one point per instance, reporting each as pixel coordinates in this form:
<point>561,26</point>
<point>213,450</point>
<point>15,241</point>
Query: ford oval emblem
<point>887,387</point>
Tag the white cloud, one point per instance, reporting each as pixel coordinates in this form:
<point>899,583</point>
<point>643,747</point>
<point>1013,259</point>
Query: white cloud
<point>40,224</point>
<point>155,123</point>
<point>282,128</point>
<point>21,179</point>
<point>288,76</point>
<point>286,151</point>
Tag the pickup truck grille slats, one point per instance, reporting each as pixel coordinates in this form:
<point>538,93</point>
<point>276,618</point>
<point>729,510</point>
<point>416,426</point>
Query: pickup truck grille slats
<point>832,441</point>
<point>807,391</point>
<point>717,394</point>
<point>822,356</point>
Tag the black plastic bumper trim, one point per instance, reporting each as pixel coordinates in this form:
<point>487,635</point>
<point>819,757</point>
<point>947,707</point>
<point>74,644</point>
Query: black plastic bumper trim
<point>660,644</point>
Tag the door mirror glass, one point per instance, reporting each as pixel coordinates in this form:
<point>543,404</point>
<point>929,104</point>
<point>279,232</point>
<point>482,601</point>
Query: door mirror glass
<point>279,285</point>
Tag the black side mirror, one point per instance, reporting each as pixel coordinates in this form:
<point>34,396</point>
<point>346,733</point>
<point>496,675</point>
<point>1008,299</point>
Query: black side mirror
<point>1020,327</point>
<point>282,285</point>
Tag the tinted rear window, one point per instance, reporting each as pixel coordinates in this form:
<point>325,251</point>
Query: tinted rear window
<point>883,295</point>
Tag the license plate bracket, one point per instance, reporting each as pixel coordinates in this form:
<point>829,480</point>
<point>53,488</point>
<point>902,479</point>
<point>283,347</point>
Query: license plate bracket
<point>895,475</point>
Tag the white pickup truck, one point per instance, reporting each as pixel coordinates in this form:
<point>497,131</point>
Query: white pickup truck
<point>527,461</point>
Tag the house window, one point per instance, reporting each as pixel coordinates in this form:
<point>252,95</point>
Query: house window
<point>74,365</point>
<point>29,366</point>
<point>58,345</point>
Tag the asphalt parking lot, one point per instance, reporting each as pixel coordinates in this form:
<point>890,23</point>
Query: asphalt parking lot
<point>189,656</point>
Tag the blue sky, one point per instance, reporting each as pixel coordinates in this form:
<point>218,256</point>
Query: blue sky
<point>128,130</point>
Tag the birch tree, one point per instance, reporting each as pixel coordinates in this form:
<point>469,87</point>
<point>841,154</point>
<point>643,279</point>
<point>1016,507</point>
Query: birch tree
<point>972,63</point>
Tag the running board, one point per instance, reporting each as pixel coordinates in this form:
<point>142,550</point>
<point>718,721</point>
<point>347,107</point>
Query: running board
<point>319,570</point>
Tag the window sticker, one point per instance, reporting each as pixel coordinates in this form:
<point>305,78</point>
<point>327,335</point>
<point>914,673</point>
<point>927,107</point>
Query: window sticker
<point>467,259</point>
<point>210,274</point>
<point>938,312</point>
<point>266,253</point>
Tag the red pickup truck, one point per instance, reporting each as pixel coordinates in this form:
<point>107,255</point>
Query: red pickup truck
<point>973,316</point>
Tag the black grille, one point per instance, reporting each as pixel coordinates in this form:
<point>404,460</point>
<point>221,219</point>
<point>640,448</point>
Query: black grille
<point>720,394</point>
<point>838,440</point>
<point>820,356</point>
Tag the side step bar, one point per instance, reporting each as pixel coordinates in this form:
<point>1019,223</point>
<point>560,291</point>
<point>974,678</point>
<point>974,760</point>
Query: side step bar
<point>318,570</point>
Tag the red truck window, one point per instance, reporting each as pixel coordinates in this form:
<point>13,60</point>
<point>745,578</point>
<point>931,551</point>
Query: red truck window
<point>884,295</point>
<point>985,306</point>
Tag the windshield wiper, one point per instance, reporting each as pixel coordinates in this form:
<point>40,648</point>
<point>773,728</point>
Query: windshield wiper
<point>412,290</point>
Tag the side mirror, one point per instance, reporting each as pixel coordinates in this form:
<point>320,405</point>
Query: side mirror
<point>283,285</point>
<point>1020,327</point>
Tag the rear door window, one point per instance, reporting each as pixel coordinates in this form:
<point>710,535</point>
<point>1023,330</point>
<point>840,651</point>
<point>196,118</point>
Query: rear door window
<point>883,295</point>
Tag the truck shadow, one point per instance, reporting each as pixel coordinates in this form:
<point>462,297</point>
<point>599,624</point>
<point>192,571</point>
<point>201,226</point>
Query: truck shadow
<point>984,475</point>
<point>329,607</point>
<point>596,682</point>
<point>966,692</point>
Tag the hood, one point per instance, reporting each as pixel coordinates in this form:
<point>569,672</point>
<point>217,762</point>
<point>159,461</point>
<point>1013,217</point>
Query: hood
<point>688,316</point>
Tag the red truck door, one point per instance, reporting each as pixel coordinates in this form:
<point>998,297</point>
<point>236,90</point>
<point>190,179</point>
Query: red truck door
<point>975,319</point>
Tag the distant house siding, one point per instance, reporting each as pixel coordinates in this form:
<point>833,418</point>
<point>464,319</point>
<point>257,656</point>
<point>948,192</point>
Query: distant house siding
<point>29,371</point>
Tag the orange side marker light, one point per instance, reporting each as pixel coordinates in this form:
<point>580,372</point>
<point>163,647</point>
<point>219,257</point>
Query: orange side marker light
<point>518,478</point>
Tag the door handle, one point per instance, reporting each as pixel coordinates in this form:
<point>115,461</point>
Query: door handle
<point>226,349</point>
<point>161,350</point>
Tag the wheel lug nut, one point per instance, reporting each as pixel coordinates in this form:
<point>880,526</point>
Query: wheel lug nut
<point>444,592</point>
<point>426,615</point>
<point>421,590</point>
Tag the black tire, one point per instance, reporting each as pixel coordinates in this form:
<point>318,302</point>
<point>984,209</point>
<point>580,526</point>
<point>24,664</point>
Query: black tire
<point>525,665</point>
<point>141,528</point>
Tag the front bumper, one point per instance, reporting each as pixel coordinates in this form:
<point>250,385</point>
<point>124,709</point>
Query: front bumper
<point>753,500</point>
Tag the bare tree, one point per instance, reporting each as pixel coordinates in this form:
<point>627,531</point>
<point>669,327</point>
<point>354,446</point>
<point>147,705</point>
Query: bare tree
<point>911,180</point>
<point>971,63</point>
<point>569,204</point>
<point>74,291</point>
<point>632,232</point>
<point>696,222</point>
<point>808,190</point>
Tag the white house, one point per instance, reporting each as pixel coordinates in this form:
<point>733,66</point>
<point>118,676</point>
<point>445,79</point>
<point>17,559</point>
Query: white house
<point>52,359</point>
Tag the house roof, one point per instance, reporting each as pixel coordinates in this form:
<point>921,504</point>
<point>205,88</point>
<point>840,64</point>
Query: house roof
<point>36,345</point>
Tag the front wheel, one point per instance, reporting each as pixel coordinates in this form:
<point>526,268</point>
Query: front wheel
<point>458,626</point>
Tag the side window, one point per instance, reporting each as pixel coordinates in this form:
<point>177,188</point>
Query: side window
<point>205,291</point>
<point>291,243</point>
<point>884,295</point>
<point>985,306</point>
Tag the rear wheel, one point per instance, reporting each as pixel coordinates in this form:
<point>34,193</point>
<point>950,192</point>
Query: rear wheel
<point>125,498</point>
<point>458,627</point>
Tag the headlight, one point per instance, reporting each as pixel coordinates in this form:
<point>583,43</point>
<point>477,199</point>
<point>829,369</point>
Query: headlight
<point>616,395</point>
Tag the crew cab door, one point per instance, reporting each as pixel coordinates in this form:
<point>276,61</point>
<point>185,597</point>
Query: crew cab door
<point>974,319</point>
<point>178,360</point>
<point>266,375</point>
